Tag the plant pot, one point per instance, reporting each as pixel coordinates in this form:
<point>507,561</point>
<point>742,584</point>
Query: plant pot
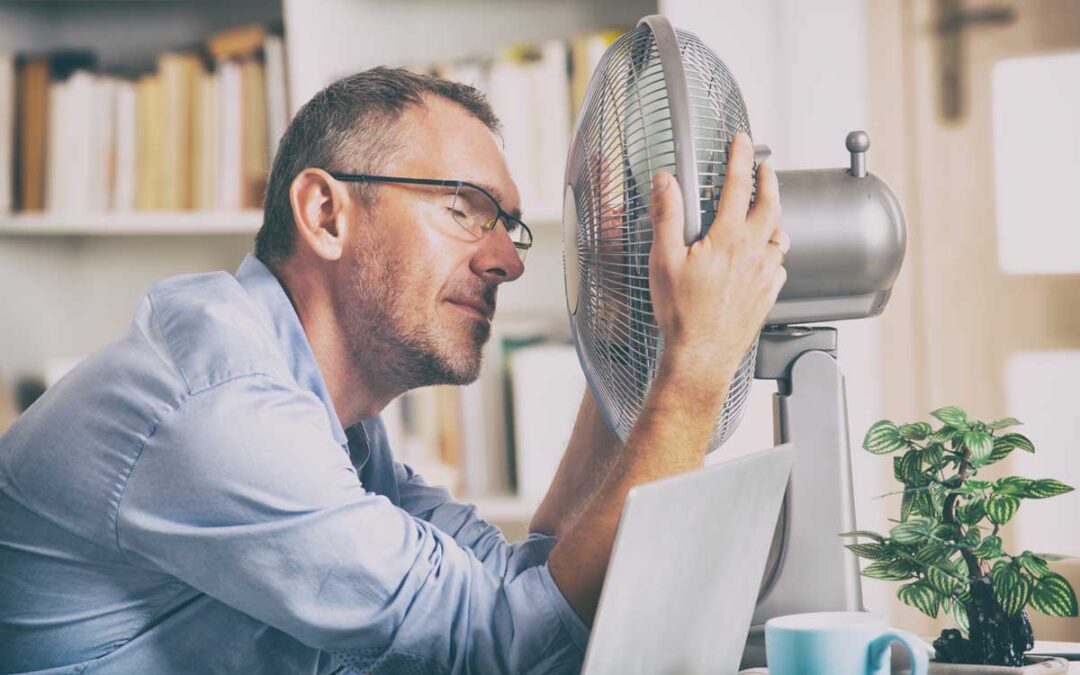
<point>1035,665</point>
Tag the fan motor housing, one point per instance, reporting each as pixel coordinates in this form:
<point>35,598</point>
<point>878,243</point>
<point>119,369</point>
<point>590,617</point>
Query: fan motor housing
<point>848,239</point>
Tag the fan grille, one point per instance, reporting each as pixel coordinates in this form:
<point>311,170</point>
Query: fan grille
<point>624,135</point>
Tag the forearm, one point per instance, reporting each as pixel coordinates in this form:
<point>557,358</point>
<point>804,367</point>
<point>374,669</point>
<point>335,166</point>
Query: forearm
<point>584,465</point>
<point>670,438</point>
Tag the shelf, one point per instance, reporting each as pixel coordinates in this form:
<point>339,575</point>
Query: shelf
<point>132,223</point>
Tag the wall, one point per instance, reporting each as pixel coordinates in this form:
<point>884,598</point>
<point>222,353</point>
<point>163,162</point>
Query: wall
<point>804,72</point>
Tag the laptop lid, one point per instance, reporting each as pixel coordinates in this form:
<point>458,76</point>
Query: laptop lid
<point>686,567</point>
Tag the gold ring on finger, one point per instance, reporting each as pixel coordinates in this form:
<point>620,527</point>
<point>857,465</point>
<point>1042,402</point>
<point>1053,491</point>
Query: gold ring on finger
<point>783,256</point>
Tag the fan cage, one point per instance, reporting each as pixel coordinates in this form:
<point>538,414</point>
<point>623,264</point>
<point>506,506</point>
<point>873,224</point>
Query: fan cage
<point>623,136</point>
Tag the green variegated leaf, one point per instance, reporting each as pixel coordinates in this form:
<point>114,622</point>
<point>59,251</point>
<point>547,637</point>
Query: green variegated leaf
<point>951,415</point>
<point>1019,441</point>
<point>934,553</point>
<point>946,531</point>
<point>1000,510</point>
<point>1056,556</point>
<point>915,432</point>
<point>1002,448</point>
<point>1005,422</point>
<point>870,551</point>
<point>989,548</point>
<point>1054,596</point>
<point>977,484</point>
<point>863,533</point>
<point>906,503</point>
<point>934,456</point>
<point>960,617</point>
<point>941,580</point>
<point>942,435</point>
<point>1033,564</point>
<point>967,489</point>
<point>882,438</point>
<point>923,504</point>
<point>1014,486</point>
<point>921,596</point>
<point>1011,588</point>
<point>980,444</point>
<point>937,494</point>
<point>1047,487</point>
<point>972,537</point>
<point>912,531</point>
<point>889,570</point>
<point>912,467</point>
<point>970,512</point>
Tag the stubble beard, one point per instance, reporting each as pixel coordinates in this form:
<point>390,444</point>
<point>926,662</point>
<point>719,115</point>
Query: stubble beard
<point>393,342</point>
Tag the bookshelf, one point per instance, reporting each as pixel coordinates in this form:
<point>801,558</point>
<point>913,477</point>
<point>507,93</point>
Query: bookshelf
<point>77,275</point>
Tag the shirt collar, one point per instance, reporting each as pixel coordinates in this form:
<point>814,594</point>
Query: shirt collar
<point>261,284</point>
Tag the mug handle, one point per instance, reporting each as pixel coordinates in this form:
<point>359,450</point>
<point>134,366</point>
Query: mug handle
<point>879,650</point>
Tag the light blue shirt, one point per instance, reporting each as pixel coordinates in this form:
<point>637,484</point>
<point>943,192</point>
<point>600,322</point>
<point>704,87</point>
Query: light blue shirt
<point>187,501</point>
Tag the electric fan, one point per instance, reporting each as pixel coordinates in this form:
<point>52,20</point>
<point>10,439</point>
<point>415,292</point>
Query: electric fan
<point>661,100</point>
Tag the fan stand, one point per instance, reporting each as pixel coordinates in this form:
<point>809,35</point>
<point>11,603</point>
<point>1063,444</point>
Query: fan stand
<point>809,570</point>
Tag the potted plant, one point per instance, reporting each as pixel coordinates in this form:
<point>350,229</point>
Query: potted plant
<point>946,546</point>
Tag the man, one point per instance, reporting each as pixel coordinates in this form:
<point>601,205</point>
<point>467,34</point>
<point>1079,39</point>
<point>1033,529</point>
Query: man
<point>213,493</point>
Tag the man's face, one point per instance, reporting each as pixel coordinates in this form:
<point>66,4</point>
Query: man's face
<point>420,291</point>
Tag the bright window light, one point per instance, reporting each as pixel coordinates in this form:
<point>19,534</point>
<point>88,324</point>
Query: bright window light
<point>1036,118</point>
<point>1040,392</point>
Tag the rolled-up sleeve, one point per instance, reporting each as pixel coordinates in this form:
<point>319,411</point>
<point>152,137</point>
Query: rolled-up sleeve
<point>461,521</point>
<point>242,493</point>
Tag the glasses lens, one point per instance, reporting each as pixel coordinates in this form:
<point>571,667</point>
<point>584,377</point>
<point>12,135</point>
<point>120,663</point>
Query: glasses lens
<point>473,212</point>
<point>477,214</point>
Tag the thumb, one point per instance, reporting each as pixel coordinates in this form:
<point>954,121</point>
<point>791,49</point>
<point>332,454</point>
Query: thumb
<point>666,212</point>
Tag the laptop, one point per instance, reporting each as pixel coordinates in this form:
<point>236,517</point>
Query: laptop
<point>686,568</point>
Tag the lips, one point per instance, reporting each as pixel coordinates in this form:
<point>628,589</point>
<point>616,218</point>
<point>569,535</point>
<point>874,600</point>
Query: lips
<point>485,310</point>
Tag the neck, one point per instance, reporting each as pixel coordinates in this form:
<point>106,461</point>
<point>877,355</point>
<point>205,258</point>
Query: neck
<point>357,389</point>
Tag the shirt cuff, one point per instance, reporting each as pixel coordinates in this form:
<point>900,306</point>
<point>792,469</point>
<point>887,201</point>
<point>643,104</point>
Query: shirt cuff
<point>577,629</point>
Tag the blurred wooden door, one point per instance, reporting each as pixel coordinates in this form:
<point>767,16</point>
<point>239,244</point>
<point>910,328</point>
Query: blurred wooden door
<point>994,257</point>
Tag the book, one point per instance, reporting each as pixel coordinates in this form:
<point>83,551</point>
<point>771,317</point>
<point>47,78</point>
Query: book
<point>7,132</point>
<point>33,120</point>
<point>550,132</point>
<point>277,91</point>
<point>150,155</point>
<point>236,43</point>
<point>416,437</point>
<point>255,155</point>
<point>230,131</point>
<point>36,75</point>
<point>101,157</point>
<point>547,385</point>
<point>206,162</point>
<point>180,73</point>
<point>509,83</point>
<point>125,151</point>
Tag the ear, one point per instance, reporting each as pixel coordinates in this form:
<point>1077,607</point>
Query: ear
<point>319,206</point>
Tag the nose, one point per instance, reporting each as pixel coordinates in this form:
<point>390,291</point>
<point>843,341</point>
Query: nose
<point>497,258</point>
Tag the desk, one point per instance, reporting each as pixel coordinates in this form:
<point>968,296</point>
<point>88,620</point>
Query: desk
<point>1070,650</point>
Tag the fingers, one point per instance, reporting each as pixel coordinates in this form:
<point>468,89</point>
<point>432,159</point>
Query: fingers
<point>738,187</point>
<point>781,242</point>
<point>666,211</point>
<point>764,218</point>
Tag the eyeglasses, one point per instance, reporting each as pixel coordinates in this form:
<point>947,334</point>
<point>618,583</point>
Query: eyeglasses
<point>472,207</point>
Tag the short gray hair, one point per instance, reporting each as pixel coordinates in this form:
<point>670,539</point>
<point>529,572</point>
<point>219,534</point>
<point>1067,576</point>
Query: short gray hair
<point>349,126</point>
